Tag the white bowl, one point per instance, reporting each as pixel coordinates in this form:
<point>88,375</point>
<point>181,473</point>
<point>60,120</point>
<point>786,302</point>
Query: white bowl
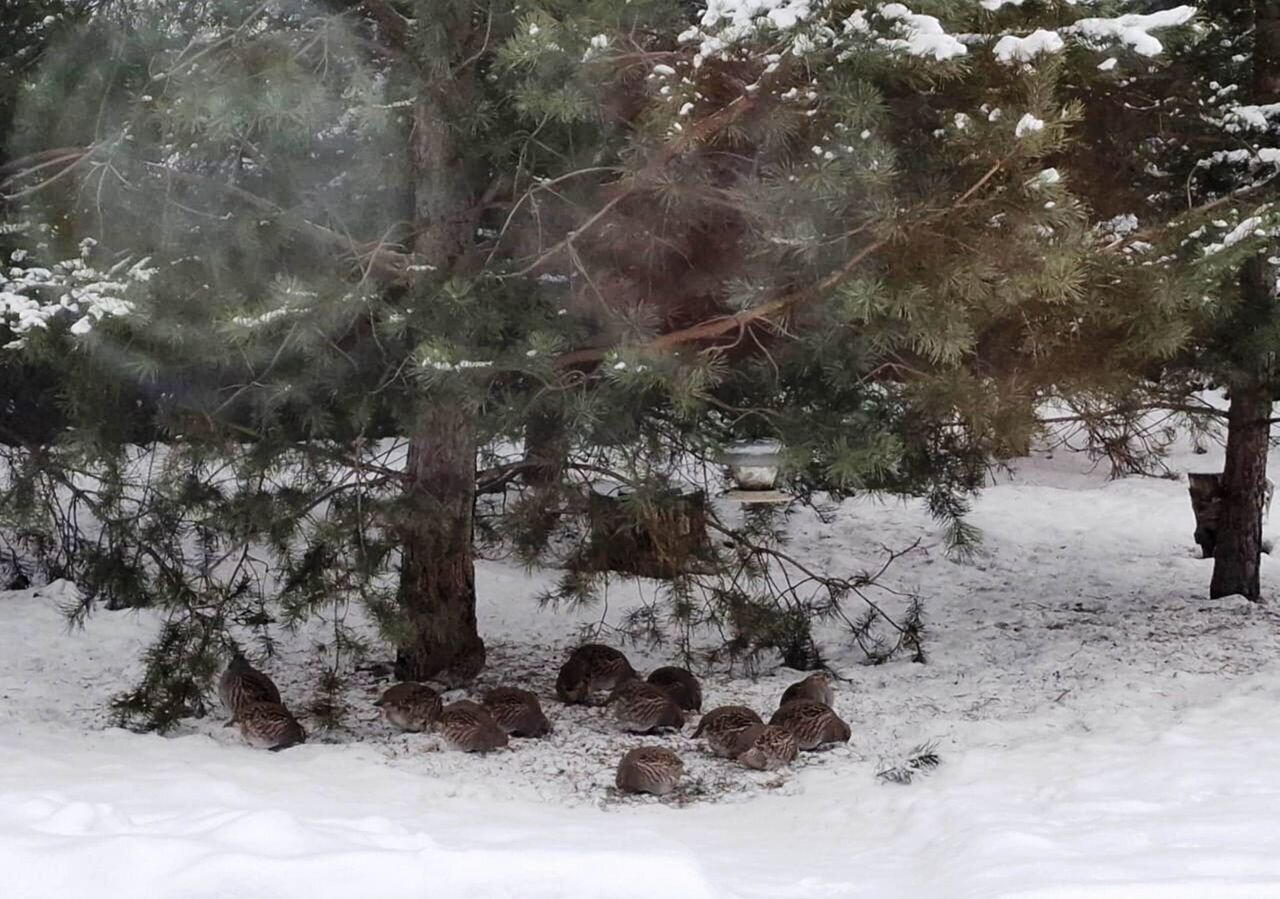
<point>754,465</point>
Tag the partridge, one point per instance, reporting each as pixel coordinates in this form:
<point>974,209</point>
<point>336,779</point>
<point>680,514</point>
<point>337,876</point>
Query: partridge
<point>591,667</point>
<point>680,685</point>
<point>816,686</point>
<point>649,769</point>
<point>811,723</point>
<point>765,747</point>
<point>643,708</point>
<point>517,712</point>
<point>269,725</point>
<point>722,726</point>
<point>410,706</point>
<point>242,684</point>
<point>467,727</point>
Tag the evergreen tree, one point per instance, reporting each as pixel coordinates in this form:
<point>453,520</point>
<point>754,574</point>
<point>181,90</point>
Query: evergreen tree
<point>305,231</point>
<point>1195,208</point>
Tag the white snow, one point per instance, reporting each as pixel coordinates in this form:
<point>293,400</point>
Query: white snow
<point>1028,124</point>
<point>33,296</point>
<point>1012,48</point>
<point>1047,177</point>
<point>922,35</point>
<point>1106,733</point>
<point>1255,117</point>
<point>1134,30</point>
<point>1249,227</point>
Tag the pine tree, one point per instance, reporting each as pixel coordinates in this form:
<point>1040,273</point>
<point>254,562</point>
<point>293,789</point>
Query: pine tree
<point>304,234</point>
<point>1196,208</point>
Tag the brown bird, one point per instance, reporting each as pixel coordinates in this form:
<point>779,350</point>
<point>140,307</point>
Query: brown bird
<point>816,686</point>
<point>591,667</point>
<point>680,685</point>
<point>269,725</point>
<point>649,769</point>
<point>410,706</point>
<point>765,747</point>
<point>643,708</point>
<point>811,723</point>
<point>242,684</point>
<point>517,712</point>
<point>467,727</point>
<point>722,727</point>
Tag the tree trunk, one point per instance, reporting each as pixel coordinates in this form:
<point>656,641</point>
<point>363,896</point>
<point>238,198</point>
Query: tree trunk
<point>437,573</point>
<point>1238,552</point>
<point>437,592</point>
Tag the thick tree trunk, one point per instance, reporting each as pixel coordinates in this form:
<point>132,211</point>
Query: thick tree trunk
<point>1238,551</point>
<point>1237,554</point>
<point>437,574</point>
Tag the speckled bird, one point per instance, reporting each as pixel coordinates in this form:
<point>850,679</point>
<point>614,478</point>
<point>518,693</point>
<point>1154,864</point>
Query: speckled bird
<point>467,727</point>
<point>410,706</point>
<point>721,728</point>
<point>680,685</point>
<point>242,684</point>
<point>766,748</point>
<point>642,708</point>
<point>816,686</point>
<point>649,769</point>
<point>812,723</point>
<point>269,725</point>
<point>517,712</point>
<point>590,668</point>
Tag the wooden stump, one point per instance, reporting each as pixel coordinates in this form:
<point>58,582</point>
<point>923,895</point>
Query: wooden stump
<point>1206,503</point>
<point>656,536</point>
<point>1207,492</point>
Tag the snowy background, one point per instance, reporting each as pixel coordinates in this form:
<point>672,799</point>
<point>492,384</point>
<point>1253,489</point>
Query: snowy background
<point>1105,732</point>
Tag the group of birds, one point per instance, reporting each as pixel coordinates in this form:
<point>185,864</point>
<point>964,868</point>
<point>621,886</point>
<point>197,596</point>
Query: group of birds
<point>804,720</point>
<point>253,701</point>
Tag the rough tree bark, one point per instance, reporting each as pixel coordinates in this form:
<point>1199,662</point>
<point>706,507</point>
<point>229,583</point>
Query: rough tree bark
<point>437,573</point>
<point>1238,554</point>
<point>437,576</point>
<point>1238,551</point>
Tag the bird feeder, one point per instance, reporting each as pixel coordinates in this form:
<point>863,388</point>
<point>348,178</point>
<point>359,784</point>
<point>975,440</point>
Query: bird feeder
<point>754,467</point>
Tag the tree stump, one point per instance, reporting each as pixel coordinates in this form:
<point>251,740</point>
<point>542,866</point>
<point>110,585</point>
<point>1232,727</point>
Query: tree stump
<point>657,535</point>
<point>1206,502</point>
<point>1207,492</point>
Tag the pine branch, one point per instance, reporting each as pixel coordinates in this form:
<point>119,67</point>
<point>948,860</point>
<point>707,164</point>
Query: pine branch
<point>377,256</point>
<point>705,129</point>
<point>921,760</point>
<point>778,307</point>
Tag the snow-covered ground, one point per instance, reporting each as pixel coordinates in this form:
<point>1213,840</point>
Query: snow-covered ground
<point>1105,732</point>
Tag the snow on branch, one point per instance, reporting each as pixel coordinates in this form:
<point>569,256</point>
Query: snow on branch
<point>812,25</point>
<point>1132,30</point>
<point>1011,48</point>
<point>33,296</point>
<point>922,35</point>
<point>1237,119</point>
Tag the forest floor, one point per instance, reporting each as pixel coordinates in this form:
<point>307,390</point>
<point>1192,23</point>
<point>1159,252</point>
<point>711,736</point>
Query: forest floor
<point>1105,731</point>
